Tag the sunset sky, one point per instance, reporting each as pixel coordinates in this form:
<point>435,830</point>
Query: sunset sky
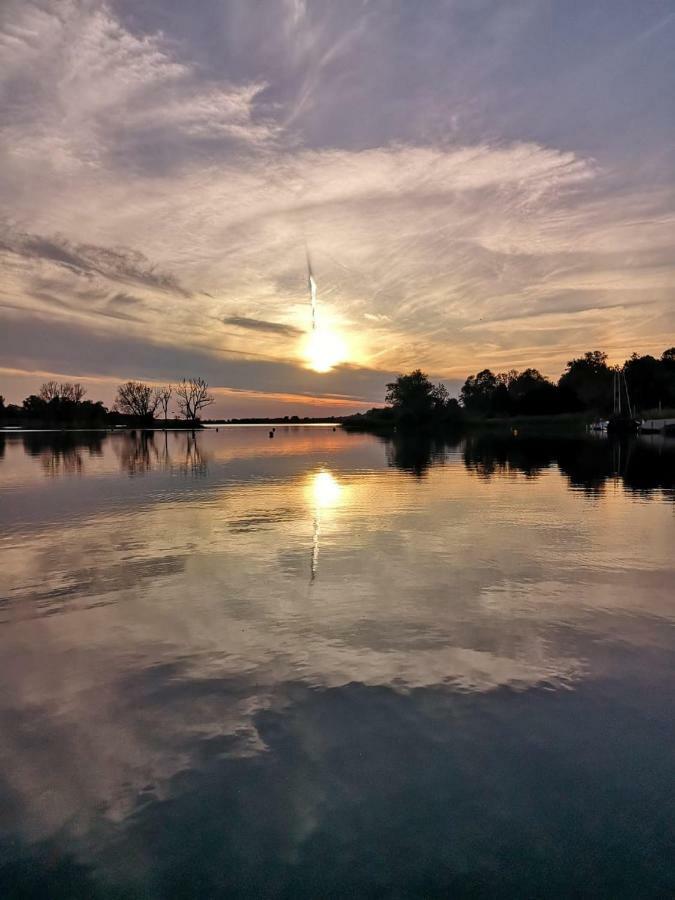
<point>478,184</point>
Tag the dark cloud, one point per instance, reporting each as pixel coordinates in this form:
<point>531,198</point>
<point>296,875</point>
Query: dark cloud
<point>121,306</point>
<point>117,264</point>
<point>36,343</point>
<point>262,325</point>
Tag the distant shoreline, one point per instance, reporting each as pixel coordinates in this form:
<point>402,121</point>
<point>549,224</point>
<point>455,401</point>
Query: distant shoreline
<point>566,423</point>
<point>205,426</point>
<point>278,420</point>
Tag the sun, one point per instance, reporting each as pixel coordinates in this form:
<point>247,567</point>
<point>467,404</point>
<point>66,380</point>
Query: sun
<point>324,350</point>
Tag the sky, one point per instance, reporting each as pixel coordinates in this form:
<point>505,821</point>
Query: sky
<point>478,183</point>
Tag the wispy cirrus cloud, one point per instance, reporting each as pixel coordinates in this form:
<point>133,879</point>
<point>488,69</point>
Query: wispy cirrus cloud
<point>116,264</point>
<point>185,162</point>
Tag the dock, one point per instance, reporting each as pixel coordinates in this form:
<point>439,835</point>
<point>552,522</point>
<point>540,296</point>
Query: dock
<point>657,425</point>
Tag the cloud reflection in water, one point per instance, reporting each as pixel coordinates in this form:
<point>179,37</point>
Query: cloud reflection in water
<point>163,659</point>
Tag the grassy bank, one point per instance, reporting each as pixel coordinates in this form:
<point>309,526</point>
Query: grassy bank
<point>562,423</point>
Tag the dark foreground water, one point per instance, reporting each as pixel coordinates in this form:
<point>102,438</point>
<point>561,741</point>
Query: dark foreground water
<point>325,665</point>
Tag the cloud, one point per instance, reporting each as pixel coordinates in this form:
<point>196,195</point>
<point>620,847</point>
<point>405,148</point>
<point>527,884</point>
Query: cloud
<point>262,325</point>
<point>99,94</point>
<point>115,264</point>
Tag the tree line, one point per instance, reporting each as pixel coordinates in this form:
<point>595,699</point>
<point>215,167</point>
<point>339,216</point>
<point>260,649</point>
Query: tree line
<point>136,403</point>
<point>584,387</point>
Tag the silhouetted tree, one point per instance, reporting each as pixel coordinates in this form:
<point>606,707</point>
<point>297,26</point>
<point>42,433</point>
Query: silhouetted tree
<point>163,397</point>
<point>646,380</point>
<point>521,384</point>
<point>668,372</point>
<point>415,394</point>
<point>66,391</point>
<point>586,384</point>
<point>453,413</point>
<point>73,392</point>
<point>136,399</point>
<point>478,391</point>
<point>192,395</point>
<point>533,394</point>
<point>514,393</point>
<point>589,378</point>
<point>62,408</point>
<point>49,391</point>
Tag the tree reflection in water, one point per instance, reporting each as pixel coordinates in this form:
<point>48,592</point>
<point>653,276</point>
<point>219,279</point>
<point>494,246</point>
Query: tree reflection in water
<point>641,464</point>
<point>138,452</point>
<point>145,451</point>
<point>415,453</point>
<point>64,452</point>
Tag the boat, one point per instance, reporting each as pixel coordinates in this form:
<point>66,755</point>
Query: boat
<point>622,421</point>
<point>622,425</point>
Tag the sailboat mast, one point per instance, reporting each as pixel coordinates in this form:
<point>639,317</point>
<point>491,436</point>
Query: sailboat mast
<point>616,386</point>
<point>628,403</point>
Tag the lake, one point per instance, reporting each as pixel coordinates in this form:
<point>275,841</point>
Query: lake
<point>334,665</point>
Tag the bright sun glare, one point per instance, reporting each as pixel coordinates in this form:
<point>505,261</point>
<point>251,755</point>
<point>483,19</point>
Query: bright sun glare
<point>324,350</point>
<point>325,490</point>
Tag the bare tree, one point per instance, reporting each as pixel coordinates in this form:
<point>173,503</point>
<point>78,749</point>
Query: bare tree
<point>192,395</point>
<point>74,392</point>
<point>136,399</point>
<point>163,396</point>
<point>50,390</point>
<point>67,390</point>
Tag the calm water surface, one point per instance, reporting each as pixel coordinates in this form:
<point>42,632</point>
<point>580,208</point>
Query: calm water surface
<point>327,665</point>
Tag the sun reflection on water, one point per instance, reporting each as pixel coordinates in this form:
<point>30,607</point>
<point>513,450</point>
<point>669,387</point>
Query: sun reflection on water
<point>325,493</point>
<point>326,490</point>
